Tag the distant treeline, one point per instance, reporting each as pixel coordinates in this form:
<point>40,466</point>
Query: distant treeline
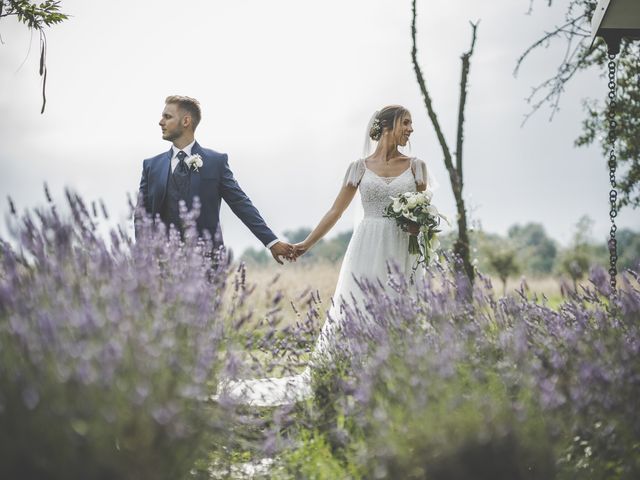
<point>526,249</point>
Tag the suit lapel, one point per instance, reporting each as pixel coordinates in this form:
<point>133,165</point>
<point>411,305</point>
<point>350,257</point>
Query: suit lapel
<point>194,176</point>
<point>163,174</point>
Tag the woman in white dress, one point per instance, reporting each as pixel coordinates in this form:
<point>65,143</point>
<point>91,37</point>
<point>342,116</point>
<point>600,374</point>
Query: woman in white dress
<point>376,241</point>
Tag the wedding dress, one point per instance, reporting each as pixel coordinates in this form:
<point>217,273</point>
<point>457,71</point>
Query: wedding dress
<point>376,241</point>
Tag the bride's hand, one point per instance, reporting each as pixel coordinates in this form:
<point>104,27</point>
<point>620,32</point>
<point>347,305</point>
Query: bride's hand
<point>300,249</point>
<point>413,229</point>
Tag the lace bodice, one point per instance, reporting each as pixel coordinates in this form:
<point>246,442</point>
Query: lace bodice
<point>375,190</point>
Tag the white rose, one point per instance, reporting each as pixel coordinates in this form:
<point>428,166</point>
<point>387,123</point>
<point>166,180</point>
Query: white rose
<point>428,194</point>
<point>412,202</point>
<point>397,206</point>
<point>194,161</point>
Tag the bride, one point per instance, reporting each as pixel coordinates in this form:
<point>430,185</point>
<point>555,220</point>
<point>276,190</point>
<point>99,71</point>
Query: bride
<point>376,241</point>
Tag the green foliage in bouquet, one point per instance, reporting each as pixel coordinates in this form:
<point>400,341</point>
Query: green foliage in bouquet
<point>411,209</point>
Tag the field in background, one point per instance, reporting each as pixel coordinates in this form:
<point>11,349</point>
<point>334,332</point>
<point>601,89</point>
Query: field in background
<point>296,281</point>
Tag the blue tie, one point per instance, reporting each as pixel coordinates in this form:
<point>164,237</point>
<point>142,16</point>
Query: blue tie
<point>181,168</point>
<point>181,175</point>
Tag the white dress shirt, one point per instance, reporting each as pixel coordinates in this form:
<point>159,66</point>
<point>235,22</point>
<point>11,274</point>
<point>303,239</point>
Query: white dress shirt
<point>187,150</point>
<point>175,151</point>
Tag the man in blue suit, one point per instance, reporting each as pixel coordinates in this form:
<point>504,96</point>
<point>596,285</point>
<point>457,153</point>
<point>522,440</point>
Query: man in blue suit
<point>187,171</point>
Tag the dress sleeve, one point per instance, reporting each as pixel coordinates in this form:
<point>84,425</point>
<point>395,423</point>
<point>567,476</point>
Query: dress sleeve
<point>354,174</point>
<point>420,172</point>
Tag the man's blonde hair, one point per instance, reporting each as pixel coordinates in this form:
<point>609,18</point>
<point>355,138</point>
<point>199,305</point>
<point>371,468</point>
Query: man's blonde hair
<point>189,105</point>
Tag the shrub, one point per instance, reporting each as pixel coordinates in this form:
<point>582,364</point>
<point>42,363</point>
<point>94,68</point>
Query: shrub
<point>444,384</point>
<point>313,460</point>
<point>504,264</point>
<point>107,348</point>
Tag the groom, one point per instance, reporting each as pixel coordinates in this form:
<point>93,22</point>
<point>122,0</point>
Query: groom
<point>187,170</point>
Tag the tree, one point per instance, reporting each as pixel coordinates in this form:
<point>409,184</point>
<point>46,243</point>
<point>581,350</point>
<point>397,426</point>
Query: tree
<point>577,260</point>
<point>36,16</point>
<point>575,263</point>
<point>536,252</point>
<point>503,262</point>
<point>629,243</point>
<point>461,247</point>
<point>482,245</point>
<point>495,254</point>
<point>574,33</point>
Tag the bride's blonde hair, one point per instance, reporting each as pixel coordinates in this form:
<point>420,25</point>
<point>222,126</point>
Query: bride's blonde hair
<point>388,117</point>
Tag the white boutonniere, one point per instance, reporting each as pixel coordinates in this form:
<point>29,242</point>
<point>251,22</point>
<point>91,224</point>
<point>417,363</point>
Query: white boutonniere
<point>194,161</point>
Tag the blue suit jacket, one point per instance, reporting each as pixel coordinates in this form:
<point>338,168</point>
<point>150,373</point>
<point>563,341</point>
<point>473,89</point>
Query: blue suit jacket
<point>211,183</point>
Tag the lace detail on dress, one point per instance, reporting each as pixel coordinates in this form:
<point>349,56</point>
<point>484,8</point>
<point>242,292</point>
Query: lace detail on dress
<point>376,191</point>
<point>388,180</point>
<point>356,171</point>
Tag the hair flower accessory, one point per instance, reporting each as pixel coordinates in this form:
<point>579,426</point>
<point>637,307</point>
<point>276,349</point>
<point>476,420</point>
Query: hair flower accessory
<point>194,161</point>
<point>376,129</point>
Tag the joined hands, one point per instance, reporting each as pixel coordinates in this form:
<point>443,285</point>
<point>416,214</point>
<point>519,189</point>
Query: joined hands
<point>282,249</point>
<point>300,249</point>
<point>287,251</point>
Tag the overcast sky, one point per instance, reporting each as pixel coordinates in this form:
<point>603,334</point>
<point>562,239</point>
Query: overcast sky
<point>287,88</point>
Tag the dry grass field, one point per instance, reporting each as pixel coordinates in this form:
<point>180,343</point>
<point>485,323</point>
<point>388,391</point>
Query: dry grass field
<point>296,281</point>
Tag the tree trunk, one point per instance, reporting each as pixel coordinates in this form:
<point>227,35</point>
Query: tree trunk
<point>461,246</point>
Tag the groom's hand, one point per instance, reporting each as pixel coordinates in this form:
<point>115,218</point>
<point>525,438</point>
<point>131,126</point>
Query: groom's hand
<point>282,249</point>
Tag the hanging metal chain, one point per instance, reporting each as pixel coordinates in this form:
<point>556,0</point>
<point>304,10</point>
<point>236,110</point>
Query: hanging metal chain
<point>613,163</point>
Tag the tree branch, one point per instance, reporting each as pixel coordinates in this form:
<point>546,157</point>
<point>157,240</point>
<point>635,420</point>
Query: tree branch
<point>427,101</point>
<point>43,68</point>
<point>466,57</point>
<point>577,30</point>
<point>36,16</point>
<point>554,85</point>
<point>461,247</point>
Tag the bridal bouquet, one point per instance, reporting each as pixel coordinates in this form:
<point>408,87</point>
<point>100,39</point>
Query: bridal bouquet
<point>416,208</point>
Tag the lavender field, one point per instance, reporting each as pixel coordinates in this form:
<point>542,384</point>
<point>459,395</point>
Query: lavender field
<point>111,351</point>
